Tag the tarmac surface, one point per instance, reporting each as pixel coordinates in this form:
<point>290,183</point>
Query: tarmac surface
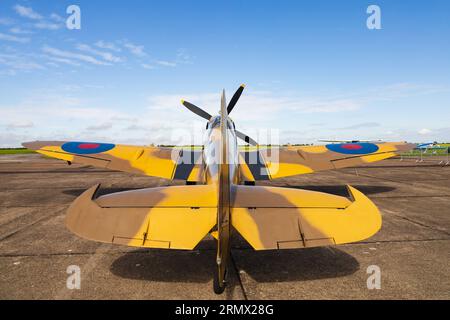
<point>412,249</point>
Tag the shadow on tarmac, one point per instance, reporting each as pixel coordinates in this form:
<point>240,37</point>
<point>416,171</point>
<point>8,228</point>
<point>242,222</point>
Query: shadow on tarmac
<point>261,266</point>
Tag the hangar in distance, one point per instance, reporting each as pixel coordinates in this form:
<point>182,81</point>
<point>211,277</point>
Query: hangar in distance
<point>220,195</point>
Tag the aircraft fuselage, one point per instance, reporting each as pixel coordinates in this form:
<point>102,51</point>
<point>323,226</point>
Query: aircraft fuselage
<point>221,164</point>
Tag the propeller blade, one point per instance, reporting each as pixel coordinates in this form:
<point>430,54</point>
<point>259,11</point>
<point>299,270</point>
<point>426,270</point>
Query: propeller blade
<point>200,112</point>
<point>235,98</point>
<point>246,138</point>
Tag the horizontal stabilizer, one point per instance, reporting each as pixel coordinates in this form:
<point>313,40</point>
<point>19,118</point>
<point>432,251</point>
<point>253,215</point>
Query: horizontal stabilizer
<point>176,217</point>
<point>283,218</point>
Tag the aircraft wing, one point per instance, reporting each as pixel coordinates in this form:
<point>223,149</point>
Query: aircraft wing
<point>267,163</point>
<point>169,163</point>
<point>282,218</point>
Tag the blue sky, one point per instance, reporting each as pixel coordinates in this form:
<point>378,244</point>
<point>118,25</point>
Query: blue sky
<point>313,70</point>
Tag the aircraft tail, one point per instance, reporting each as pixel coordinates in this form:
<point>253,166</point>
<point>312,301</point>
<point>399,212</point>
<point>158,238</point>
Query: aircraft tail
<point>223,106</point>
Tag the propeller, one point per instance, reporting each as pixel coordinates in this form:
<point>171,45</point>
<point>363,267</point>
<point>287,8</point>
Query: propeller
<point>235,98</point>
<point>205,115</point>
<point>246,138</point>
<point>198,111</point>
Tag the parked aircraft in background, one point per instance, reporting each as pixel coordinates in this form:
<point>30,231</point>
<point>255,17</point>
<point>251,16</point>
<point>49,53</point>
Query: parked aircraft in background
<point>433,146</point>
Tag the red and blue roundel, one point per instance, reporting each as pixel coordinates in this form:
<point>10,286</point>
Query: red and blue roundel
<point>86,147</point>
<point>353,148</point>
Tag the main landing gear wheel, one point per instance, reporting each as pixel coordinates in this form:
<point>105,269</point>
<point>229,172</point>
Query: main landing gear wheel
<point>219,288</point>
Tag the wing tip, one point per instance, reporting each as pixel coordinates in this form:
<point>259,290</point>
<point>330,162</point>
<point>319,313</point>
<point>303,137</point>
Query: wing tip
<point>406,146</point>
<point>31,145</point>
<point>37,144</point>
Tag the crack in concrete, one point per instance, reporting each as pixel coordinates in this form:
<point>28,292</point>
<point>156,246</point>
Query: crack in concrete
<point>44,218</point>
<point>241,284</point>
<point>37,255</point>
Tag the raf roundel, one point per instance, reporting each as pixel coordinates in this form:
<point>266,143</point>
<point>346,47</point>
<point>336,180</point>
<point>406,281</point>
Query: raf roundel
<point>353,148</point>
<point>86,147</point>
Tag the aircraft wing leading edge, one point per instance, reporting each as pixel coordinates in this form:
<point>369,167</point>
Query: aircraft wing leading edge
<point>168,163</point>
<point>260,163</point>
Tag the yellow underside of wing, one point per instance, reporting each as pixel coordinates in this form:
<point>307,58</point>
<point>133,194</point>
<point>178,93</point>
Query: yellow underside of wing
<point>56,152</point>
<point>147,161</point>
<point>280,170</point>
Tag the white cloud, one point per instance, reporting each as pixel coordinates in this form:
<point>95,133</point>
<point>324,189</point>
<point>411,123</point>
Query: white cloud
<point>10,139</point>
<point>256,105</point>
<point>56,17</point>
<point>166,63</point>
<point>108,56</point>
<point>165,118</point>
<point>101,126</point>
<point>361,125</point>
<point>62,60</point>
<point>19,62</point>
<point>424,131</point>
<point>394,92</point>
<point>17,30</point>
<point>41,22</point>
<point>147,66</point>
<point>27,12</point>
<point>107,45</point>
<point>137,50</point>
<point>123,118</point>
<point>9,72</point>
<point>183,57</point>
<point>21,124</point>
<point>47,25</point>
<point>136,127</point>
<point>8,37</point>
<point>6,21</point>
<point>59,116</point>
<point>72,56</point>
<point>52,64</point>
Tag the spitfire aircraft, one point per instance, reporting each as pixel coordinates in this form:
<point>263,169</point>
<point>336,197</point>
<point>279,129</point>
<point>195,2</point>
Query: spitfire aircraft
<point>220,196</point>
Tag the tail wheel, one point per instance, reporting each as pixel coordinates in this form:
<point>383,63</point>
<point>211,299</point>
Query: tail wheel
<point>219,288</point>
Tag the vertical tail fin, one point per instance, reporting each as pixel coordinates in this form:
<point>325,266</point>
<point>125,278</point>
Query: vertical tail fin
<point>223,128</point>
<point>223,106</point>
<point>223,210</point>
